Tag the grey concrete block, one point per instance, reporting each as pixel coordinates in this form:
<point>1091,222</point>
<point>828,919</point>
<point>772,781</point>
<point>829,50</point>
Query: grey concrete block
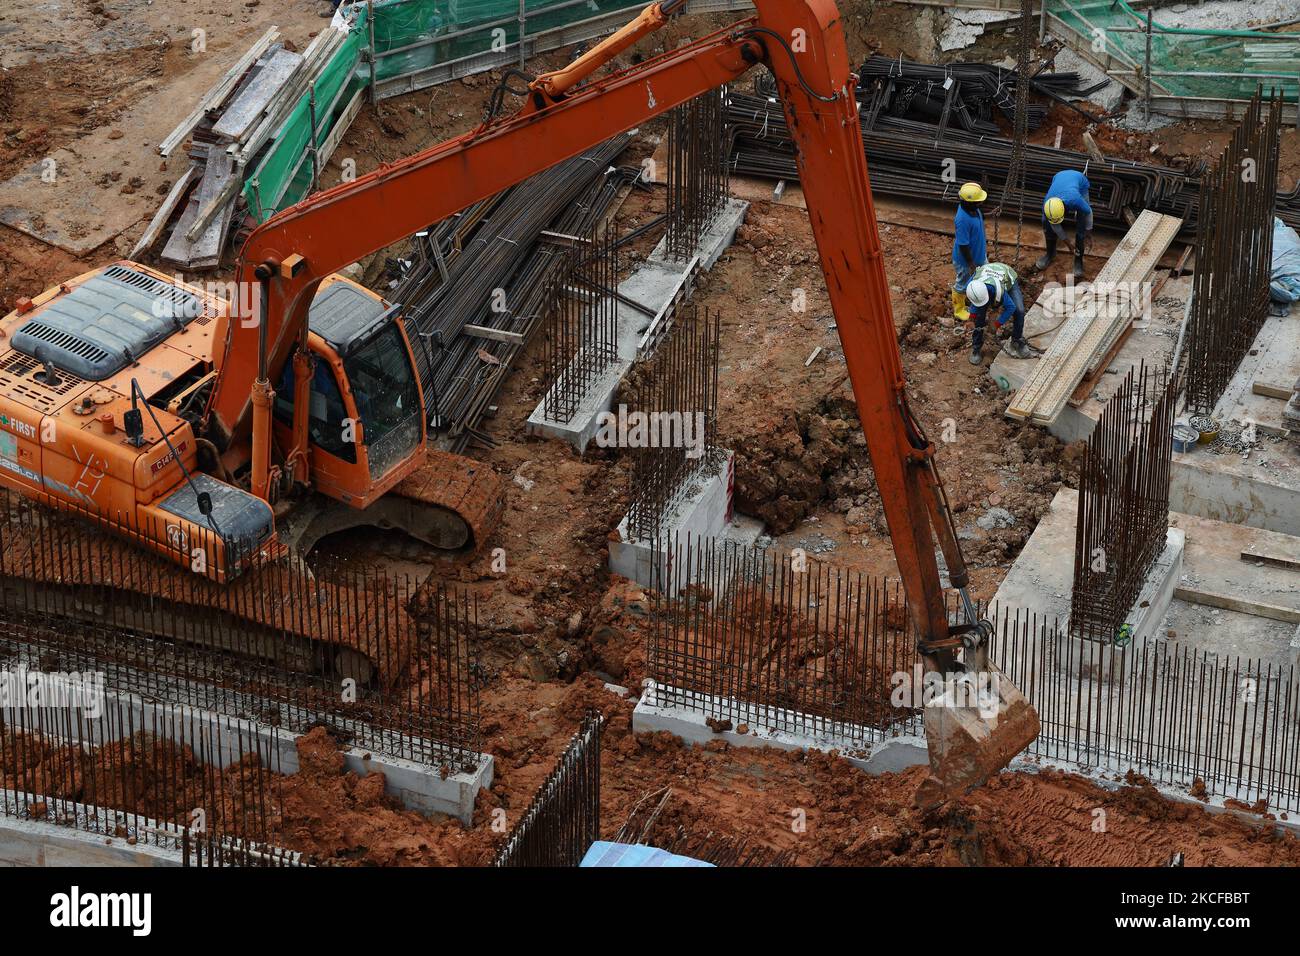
<point>582,428</point>
<point>657,712</point>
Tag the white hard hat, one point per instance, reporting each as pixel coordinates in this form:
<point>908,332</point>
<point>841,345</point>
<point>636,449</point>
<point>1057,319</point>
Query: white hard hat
<point>977,293</point>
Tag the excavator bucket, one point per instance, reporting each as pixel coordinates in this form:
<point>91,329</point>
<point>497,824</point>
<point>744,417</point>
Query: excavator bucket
<point>974,727</point>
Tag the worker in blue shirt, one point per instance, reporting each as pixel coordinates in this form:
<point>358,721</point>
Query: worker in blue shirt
<point>969,250</point>
<point>996,284</point>
<point>1067,195</point>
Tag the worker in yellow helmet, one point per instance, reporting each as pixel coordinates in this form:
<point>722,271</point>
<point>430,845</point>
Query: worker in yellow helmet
<point>1067,195</point>
<point>969,247</point>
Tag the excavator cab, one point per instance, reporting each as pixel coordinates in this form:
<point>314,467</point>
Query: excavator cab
<point>366,421</point>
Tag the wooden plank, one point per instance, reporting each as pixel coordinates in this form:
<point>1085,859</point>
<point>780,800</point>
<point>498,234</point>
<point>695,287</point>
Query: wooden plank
<point>210,207</point>
<point>496,335</point>
<point>1227,602</point>
<point>200,240</point>
<point>251,105</point>
<point>1062,347</point>
<point>314,58</point>
<point>1094,375</point>
<point>164,212</point>
<point>1082,340</point>
<point>1276,560</point>
<point>218,93</point>
<point>1272,391</point>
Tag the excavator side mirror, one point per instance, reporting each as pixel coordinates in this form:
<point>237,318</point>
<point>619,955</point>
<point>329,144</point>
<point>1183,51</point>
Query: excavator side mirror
<point>205,503</point>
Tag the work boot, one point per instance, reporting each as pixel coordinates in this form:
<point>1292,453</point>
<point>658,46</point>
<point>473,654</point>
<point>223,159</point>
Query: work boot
<point>1078,267</point>
<point>976,355</point>
<point>959,310</point>
<point>1049,241</point>
<point>1020,349</point>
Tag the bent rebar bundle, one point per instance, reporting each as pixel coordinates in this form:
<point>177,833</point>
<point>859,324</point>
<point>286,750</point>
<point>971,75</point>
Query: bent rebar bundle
<point>915,159</point>
<point>490,266</point>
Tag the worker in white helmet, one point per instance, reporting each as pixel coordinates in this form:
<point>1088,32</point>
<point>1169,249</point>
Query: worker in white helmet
<point>969,247</point>
<point>1066,196</point>
<point>997,285</point>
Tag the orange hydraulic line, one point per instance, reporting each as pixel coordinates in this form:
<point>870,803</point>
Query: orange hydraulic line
<point>559,82</point>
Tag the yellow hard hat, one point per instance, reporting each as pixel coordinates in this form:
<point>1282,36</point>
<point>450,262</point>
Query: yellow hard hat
<point>1054,210</point>
<point>971,192</point>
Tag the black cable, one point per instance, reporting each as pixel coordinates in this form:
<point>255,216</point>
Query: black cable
<point>504,87</point>
<point>798,73</point>
<point>138,394</point>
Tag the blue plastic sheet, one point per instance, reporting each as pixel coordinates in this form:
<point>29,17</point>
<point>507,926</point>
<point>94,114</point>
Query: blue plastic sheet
<point>603,853</point>
<point>1285,284</point>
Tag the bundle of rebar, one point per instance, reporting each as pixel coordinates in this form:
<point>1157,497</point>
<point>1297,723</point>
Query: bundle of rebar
<point>1123,513</point>
<point>967,94</point>
<point>911,159</point>
<point>488,268</point>
<point>1234,255</point>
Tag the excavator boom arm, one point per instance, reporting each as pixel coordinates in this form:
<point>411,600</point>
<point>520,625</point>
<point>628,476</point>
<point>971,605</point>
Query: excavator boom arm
<point>802,43</point>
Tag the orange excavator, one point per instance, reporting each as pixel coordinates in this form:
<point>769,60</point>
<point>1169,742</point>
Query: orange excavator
<point>122,391</point>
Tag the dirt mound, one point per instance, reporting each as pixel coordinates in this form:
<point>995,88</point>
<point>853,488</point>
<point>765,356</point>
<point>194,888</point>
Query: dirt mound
<point>337,817</point>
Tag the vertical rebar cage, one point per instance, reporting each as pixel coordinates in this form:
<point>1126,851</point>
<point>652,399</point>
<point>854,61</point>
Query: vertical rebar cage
<point>582,325</point>
<point>698,174</point>
<point>760,641</point>
<point>674,437</point>
<point>386,662</point>
<point>563,819</point>
<point>1123,514</point>
<point>1234,254</point>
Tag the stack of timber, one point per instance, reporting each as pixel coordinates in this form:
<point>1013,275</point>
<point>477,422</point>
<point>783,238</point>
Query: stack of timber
<point>1093,321</point>
<point>226,134</point>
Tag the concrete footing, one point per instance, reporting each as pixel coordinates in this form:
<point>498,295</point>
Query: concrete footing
<point>1041,580</point>
<point>417,786</point>
<point>749,727</point>
<point>37,843</point>
<point>1262,488</point>
<point>705,512</point>
<point>579,430</point>
<point>659,287</point>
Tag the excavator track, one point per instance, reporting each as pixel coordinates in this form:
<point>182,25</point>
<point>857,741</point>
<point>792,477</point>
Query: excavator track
<point>56,568</point>
<point>450,502</point>
<point>469,489</point>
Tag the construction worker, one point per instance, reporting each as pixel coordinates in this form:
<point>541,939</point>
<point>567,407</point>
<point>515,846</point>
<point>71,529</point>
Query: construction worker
<point>969,250</point>
<point>1067,195</point>
<point>992,285</point>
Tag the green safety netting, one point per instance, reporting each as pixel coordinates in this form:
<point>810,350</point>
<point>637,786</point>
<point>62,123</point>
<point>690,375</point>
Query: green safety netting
<point>409,36</point>
<point>1193,62</point>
